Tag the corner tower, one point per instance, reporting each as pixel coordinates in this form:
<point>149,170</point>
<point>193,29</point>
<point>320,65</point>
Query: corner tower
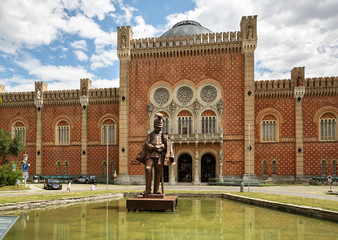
<point>249,43</point>
<point>124,35</point>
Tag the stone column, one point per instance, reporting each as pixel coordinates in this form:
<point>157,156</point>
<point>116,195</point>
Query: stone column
<point>85,86</point>
<point>40,88</point>
<point>299,94</point>
<point>124,36</point>
<point>220,161</point>
<point>249,42</point>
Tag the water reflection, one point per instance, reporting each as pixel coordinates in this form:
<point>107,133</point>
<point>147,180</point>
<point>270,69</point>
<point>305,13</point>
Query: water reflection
<point>193,219</point>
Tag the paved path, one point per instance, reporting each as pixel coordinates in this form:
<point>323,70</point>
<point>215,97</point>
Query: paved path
<point>318,192</point>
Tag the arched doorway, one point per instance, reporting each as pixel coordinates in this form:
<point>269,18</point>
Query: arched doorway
<point>208,167</point>
<point>185,168</point>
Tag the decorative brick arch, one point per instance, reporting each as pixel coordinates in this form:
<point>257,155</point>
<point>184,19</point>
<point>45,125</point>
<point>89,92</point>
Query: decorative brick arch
<point>105,117</point>
<point>156,85</point>
<point>323,110</point>
<point>184,82</point>
<point>18,119</point>
<point>210,81</point>
<point>63,117</point>
<point>267,111</point>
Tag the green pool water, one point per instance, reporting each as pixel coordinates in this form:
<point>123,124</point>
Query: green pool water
<point>194,219</point>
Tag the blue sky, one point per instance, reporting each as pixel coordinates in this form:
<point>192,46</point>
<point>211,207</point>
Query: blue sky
<point>61,41</point>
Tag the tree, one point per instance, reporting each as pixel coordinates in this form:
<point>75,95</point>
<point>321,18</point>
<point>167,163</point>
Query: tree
<point>7,175</point>
<point>9,146</point>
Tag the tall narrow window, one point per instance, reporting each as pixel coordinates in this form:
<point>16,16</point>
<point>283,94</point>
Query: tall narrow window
<point>184,123</point>
<point>208,122</point>
<point>265,167</point>
<point>58,167</point>
<point>19,130</point>
<point>269,128</point>
<point>324,168</point>
<point>66,168</point>
<point>104,168</point>
<point>334,167</point>
<point>274,167</point>
<point>109,132</point>
<point>63,133</point>
<point>327,125</point>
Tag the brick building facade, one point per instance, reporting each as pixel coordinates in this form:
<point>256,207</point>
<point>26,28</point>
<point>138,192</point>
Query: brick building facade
<point>203,83</point>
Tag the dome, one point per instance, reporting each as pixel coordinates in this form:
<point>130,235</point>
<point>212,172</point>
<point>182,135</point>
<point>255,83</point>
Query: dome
<point>184,28</point>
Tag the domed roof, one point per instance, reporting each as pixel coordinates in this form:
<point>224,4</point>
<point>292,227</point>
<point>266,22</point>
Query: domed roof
<point>184,28</point>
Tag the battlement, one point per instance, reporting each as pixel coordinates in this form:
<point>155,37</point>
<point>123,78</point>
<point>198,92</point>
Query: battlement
<point>321,82</point>
<point>196,39</point>
<point>273,84</point>
<point>253,17</point>
<point>17,96</point>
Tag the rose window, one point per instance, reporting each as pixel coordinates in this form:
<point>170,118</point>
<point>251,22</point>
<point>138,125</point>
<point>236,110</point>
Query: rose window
<point>184,95</point>
<point>208,94</point>
<point>161,96</point>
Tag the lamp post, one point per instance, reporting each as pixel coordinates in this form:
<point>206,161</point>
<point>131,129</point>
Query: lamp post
<point>107,157</point>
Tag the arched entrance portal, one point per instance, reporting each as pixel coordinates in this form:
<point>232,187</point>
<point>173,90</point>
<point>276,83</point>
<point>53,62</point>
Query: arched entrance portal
<point>185,168</point>
<point>208,167</point>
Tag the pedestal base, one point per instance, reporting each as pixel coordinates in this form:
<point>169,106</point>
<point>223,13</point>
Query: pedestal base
<point>140,203</point>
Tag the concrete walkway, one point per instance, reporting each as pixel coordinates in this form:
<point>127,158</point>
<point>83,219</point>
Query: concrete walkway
<point>318,192</point>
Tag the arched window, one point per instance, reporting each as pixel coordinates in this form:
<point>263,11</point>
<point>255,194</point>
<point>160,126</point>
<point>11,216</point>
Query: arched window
<point>265,171</point>
<point>58,167</point>
<point>108,131</point>
<point>112,168</point>
<point>334,167</point>
<point>63,133</point>
<point>324,168</point>
<point>66,168</point>
<point>184,122</point>
<point>19,130</point>
<point>327,127</point>
<point>165,122</point>
<point>208,122</point>
<point>274,167</point>
<point>104,168</point>
<point>269,128</point>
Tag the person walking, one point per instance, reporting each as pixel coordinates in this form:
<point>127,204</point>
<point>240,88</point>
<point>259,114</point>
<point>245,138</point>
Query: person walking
<point>68,186</point>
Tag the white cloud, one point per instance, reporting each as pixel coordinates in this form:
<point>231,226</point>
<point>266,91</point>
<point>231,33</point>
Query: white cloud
<point>290,33</point>
<point>143,30</point>
<point>126,18</point>
<point>82,44</point>
<point>104,83</point>
<point>81,56</point>
<point>17,84</point>
<point>2,69</point>
<point>98,8</point>
<point>103,59</point>
<point>28,23</point>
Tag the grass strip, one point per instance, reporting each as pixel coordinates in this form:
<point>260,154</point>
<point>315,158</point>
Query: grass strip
<point>310,202</point>
<point>13,188</point>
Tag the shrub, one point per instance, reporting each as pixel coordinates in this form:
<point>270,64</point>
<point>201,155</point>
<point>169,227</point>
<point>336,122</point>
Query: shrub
<point>7,175</point>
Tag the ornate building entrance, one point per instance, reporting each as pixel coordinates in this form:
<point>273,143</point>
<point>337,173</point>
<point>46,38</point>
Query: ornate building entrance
<point>208,167</point>
<point>185,168</point>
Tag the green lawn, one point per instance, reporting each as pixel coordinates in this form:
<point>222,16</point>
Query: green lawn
<point>13,188</point>
<point>310,202</point>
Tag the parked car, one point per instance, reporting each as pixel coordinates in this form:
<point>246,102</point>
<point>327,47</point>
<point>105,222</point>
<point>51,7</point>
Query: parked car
<point>85,179</point>
<point>52,183</point>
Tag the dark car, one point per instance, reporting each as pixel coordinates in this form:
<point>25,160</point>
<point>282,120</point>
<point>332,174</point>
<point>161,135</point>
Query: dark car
<point>85,179</point>
<point>52,183</point>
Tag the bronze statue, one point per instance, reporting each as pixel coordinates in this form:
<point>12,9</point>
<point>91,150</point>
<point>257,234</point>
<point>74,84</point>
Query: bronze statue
<point>157,152</point>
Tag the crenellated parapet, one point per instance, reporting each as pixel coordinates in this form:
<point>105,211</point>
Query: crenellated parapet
<point>323,86</point>
<point>17,99</point>
<point>58,97</point>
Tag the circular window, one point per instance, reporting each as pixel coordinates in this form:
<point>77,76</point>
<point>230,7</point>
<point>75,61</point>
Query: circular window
<point>161,96</point>
<point>185,95</point>
<point>208,94</point>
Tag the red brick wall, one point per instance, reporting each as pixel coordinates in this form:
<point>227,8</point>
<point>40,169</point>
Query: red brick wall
<point>226,69</point>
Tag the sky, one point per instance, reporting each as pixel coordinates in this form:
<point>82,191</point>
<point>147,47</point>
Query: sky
<point>61,41</point>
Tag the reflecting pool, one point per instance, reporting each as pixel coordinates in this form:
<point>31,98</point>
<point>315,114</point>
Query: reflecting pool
<point>194,218</point>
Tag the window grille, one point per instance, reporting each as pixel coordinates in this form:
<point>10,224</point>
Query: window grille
<point>109,129</point>
<point>327,129</point>
<point>269,130</point>
<point>209,124</point>
<point>184,125</point>
<point>20,132</point>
